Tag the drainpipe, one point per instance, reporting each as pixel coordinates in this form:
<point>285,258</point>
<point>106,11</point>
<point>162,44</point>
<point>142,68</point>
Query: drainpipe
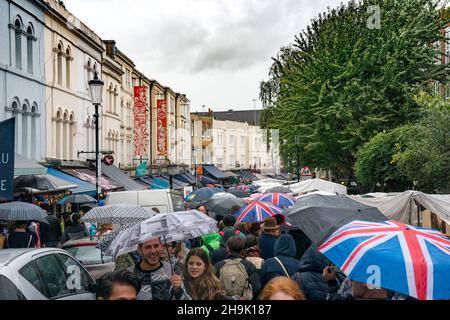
<point>151,128</point>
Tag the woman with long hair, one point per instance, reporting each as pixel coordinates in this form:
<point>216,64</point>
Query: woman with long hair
<point>199,278</point>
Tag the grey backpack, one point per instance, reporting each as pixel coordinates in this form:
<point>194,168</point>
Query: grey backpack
<point>235,280</point>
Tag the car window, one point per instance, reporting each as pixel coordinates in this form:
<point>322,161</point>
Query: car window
<point>8,290</point>
<point>87,255</point>
<point>30,273</point>
<point>79,278</point>
<point>53,276</point>
<point>177,201</point>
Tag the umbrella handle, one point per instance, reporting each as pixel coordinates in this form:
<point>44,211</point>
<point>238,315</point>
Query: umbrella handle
<point>168,253</point>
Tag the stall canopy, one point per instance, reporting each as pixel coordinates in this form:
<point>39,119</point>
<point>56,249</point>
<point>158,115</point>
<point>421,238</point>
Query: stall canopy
<point>116,175</point>
<point>215,172</point>
<point>205,180</point>
<point>248,175</point>
<point>318,185</point>
<point>403,206</point>
<point>24,166</point>
<point>177,184</point>
<point>160,183</point>
<point>89,176</point>
<point>82,186</point>
<point>185,178</point>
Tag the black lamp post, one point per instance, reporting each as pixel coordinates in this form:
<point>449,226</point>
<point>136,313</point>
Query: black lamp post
<point>172,170</point>
<point>297,144</point>
<point>96,89</point>
<point>195,166</point>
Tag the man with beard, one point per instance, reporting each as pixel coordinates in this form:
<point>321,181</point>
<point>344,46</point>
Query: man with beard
<point>157,280</point>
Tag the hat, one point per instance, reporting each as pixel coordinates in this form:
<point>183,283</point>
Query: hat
<point>270,224</point>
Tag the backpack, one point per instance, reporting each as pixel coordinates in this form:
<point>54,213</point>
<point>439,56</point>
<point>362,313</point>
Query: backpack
<point>234,279</point>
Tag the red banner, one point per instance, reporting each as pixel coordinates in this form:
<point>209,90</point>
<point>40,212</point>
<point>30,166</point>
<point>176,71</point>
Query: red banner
<point>162,128</point>
<point>141,133</point>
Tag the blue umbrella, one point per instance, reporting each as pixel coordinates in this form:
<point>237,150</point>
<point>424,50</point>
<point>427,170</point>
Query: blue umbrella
<point>202,194</point>
<point>392,255</point>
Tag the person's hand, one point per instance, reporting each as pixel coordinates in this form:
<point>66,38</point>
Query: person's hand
<point>176,281</point>
<point>329,273</point>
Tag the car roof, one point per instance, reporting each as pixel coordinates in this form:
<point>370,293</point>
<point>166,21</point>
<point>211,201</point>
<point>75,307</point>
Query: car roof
<point>8,255</point>
<point>84,241</point>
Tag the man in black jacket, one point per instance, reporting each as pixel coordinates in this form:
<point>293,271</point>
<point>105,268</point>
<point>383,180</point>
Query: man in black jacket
<point>235,248</point>
<point>51,233</point>
<point>74,229</point>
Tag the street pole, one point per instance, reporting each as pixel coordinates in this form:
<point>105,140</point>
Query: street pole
<point>298,164</point>
<point>97,156</point>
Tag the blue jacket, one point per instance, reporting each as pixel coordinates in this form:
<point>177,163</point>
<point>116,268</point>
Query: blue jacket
<point>266,245</point>
<point>285,251</point>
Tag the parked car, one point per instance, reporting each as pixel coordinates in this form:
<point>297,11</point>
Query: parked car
<point>43,274</point>
<point>164,200</point>
<point>89,256</point>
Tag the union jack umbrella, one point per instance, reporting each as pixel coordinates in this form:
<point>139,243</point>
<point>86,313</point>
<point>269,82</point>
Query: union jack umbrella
<point>405,259</point>
<point>278,199</point>
<point>257,211</point>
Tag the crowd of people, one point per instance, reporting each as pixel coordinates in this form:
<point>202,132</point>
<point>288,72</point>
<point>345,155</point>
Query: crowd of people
<point>243,261</point>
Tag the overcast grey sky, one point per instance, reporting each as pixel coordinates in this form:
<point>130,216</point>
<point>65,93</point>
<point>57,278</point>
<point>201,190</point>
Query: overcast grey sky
<point>214,51</point>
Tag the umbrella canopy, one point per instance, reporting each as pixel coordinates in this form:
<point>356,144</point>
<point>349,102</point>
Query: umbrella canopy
<point>221,206</point>
<point>202,194</point>
<point>222,195</point>
<point>279,189</point>
<point>175,226</point>
<point>117,214</point>
<point>410,260</point>
<point>239,193</point>
<point>78,199</point>
<point>106,240</point>
<point>22,211</point>
<point>257,211</point>
<point>44,182</point>
<point>320,215</point>
<point>279,199</point>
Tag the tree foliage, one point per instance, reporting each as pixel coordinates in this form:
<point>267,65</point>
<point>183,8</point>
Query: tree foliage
<point>341,83</point>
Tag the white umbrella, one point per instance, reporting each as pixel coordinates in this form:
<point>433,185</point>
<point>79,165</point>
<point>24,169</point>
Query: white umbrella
<point>117,214</point>
<point>175,226</point>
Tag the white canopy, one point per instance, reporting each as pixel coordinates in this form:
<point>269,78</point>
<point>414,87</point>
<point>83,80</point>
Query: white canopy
<point>403,206</point>
<point>318,185</point>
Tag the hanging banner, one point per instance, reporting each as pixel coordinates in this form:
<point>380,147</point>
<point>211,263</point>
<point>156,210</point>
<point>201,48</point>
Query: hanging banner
<point>141,169</point>
<point>141,133</point>
<point>7,132</point>
<point>162,128</point>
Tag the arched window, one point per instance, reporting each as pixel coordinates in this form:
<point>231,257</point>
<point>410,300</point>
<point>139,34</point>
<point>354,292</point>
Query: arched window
<point>58,129</point>
<point>30,49</point>
<point>95,68</point>
<point>89,70</point>
<point>59,62</point>
<point>25,128</point>
<point>71,134</point>
<point>115,100</point>
<point>68,58</point>
<point>110,100</point>
<point>65,135</point>
<point>15,114</point>
<point>34,131</point>
<point>88,134</point>
<point>18,25</point>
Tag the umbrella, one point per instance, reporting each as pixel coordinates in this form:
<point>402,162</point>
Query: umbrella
<point>175,226</point>
<point>221,206</point>
<point>319,215</point>
<point>409,260</point>
<point>78,199</point>
<point>222,195</point>
<point>22,211</point>
<point>278,199</point>
<point>106,240</point>
<point>257,211</point>
<point>37,183</point>
<point>239,193</point>
<point>279,189</point>
<point>117,214</point>
<point>202,194</point>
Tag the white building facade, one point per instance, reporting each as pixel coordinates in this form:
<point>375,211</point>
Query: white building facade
<point>22,78</point>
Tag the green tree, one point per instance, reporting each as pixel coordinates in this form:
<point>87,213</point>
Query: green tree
<point>340,83</point>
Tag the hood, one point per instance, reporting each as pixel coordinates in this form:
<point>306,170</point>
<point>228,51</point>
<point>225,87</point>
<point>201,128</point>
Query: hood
<point>285,246</point>
<point>212,238</point>
<point>313,260</point>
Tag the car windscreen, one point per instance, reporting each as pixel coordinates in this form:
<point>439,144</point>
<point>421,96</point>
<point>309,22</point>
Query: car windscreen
<point>8,290</point>
<point>87,255</point>
<point>177,201</point>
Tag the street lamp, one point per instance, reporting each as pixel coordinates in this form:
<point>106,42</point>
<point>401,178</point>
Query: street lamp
<point>194,158</point>
<point>297,143</point>
<point>96,89</point>
<point>172,170</point>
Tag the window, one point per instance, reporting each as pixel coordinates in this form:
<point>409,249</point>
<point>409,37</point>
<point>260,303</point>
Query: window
<point>71,265</point>
<point>30,273</point>
<point>231,141</point>
<point>242,141</point>
<point>18,44</point>
<point>30,50</point>
<point>89,70</point>
<point>68,68</point>
<point>59,63</point>
<point>54,280</point>
<point>9,290</point>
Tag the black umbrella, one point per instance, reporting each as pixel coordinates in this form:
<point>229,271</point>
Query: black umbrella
<point>318,216</point>
<point>279,189</point>
<point>219,207</point>
<point>41,183</point>
<point>78,199</point>
<point>238,193</point>
<point>22,211</point>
